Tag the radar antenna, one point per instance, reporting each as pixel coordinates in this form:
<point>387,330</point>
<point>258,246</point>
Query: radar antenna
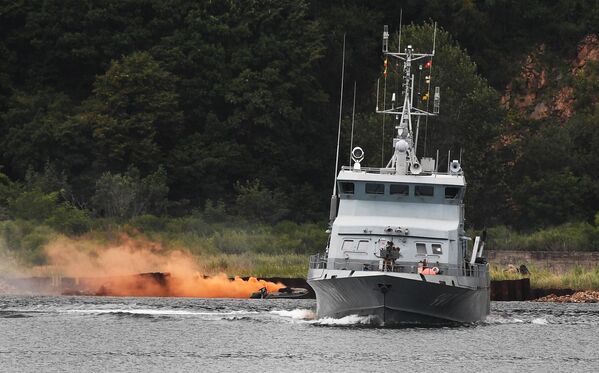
<point>404,159</point>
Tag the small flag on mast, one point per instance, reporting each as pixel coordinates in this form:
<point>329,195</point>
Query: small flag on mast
<point>385,65</point>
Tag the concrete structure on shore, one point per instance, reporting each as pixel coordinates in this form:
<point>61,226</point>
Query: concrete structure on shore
<point>554,261</point>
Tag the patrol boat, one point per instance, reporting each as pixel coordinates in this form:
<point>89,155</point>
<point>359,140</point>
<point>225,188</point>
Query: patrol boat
<point>397,249</point>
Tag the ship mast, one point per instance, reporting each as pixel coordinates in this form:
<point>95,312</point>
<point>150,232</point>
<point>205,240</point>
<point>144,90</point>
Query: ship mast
<point>404,160</point>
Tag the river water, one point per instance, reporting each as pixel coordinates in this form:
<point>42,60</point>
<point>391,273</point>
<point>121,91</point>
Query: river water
<point>102,334</point>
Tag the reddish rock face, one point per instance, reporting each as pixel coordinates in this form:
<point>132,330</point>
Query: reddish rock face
<point>588,50</point>
<point>541,111</point>
<point>531,98</point>
<point>563,103</point>
<point>531,78</point>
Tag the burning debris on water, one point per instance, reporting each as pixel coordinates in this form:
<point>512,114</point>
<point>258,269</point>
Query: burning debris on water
<point>159,284</point>
<point>137,267</point>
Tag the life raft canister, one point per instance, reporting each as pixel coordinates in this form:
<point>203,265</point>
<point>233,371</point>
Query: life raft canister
<point>430,271</point>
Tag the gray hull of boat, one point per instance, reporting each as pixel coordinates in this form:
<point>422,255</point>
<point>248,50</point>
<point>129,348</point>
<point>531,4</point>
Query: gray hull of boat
<point>397,300</point>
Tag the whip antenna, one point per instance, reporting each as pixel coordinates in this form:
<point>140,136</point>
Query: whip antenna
<point>399,36</point>
<point>353,113</point>
<point>437,96</point>
<point>333,210</point>
<point>383,132</point>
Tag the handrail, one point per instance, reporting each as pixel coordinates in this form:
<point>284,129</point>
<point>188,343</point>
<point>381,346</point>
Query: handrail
<point>390,171</point>
<point>471,270</point>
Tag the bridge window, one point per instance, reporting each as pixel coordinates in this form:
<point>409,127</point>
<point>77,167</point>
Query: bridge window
<point>437,249</point>
<point>420,248</point>
<point>372,188</point>
<point>399,189</point>
<point>424,190</point>
<point>347,245</point>
<point>347,188</point>
<point>363,246</point>
<point>452,192</point>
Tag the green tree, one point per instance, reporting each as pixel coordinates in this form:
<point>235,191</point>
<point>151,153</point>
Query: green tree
<point>32,128</point>
<point>134,114</point>
<point>8,191</point>
<point>47,208</point>
<point>128,195</point>
<point>252,100</point>
<point>255,202</point>
<point>553,198</point>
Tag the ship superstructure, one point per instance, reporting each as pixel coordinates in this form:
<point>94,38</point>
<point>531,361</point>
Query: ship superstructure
<point>397,249</point>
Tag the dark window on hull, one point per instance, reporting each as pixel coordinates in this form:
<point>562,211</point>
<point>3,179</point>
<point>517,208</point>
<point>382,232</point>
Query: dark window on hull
<point>347,188</point>
<point>372,188</point>
<point>452,192</point>
<point>399,189</point>
<point>424,190</point>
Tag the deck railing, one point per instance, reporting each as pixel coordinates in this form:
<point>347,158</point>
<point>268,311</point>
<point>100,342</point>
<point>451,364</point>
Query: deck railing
<point>387,171</point>
<point>319,261</point>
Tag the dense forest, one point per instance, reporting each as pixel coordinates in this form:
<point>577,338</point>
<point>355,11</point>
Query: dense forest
<point>123,108</point>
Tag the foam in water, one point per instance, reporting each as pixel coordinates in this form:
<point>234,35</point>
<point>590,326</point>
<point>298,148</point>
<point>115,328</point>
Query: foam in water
<point>157,312</point>
<point>540,321</point>
<point>346,320</point>
<point>310,317</point>
<point>296,314</point>
<point>497,319</point>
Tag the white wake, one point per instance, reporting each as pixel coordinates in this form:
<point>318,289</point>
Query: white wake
<point>157,312</point>
<point>296,314</point>
<point>309,316</point>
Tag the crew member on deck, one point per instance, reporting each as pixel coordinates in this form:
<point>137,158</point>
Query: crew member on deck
<point>422,265</point>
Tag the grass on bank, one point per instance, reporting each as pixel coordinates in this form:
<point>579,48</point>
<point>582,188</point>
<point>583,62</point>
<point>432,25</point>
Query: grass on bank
<point>576,236</point>
<point>577,278</point>
<point>258,265</point>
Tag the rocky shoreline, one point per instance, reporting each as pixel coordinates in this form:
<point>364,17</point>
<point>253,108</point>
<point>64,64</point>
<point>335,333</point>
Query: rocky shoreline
<point>578,297</point>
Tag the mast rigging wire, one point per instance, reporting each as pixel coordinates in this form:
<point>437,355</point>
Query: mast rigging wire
<point>339,127</point>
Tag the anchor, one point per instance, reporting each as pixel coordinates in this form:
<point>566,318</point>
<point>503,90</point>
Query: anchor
<point>384,288</point>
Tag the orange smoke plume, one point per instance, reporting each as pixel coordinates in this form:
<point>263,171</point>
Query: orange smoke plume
<point>142,268</point>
